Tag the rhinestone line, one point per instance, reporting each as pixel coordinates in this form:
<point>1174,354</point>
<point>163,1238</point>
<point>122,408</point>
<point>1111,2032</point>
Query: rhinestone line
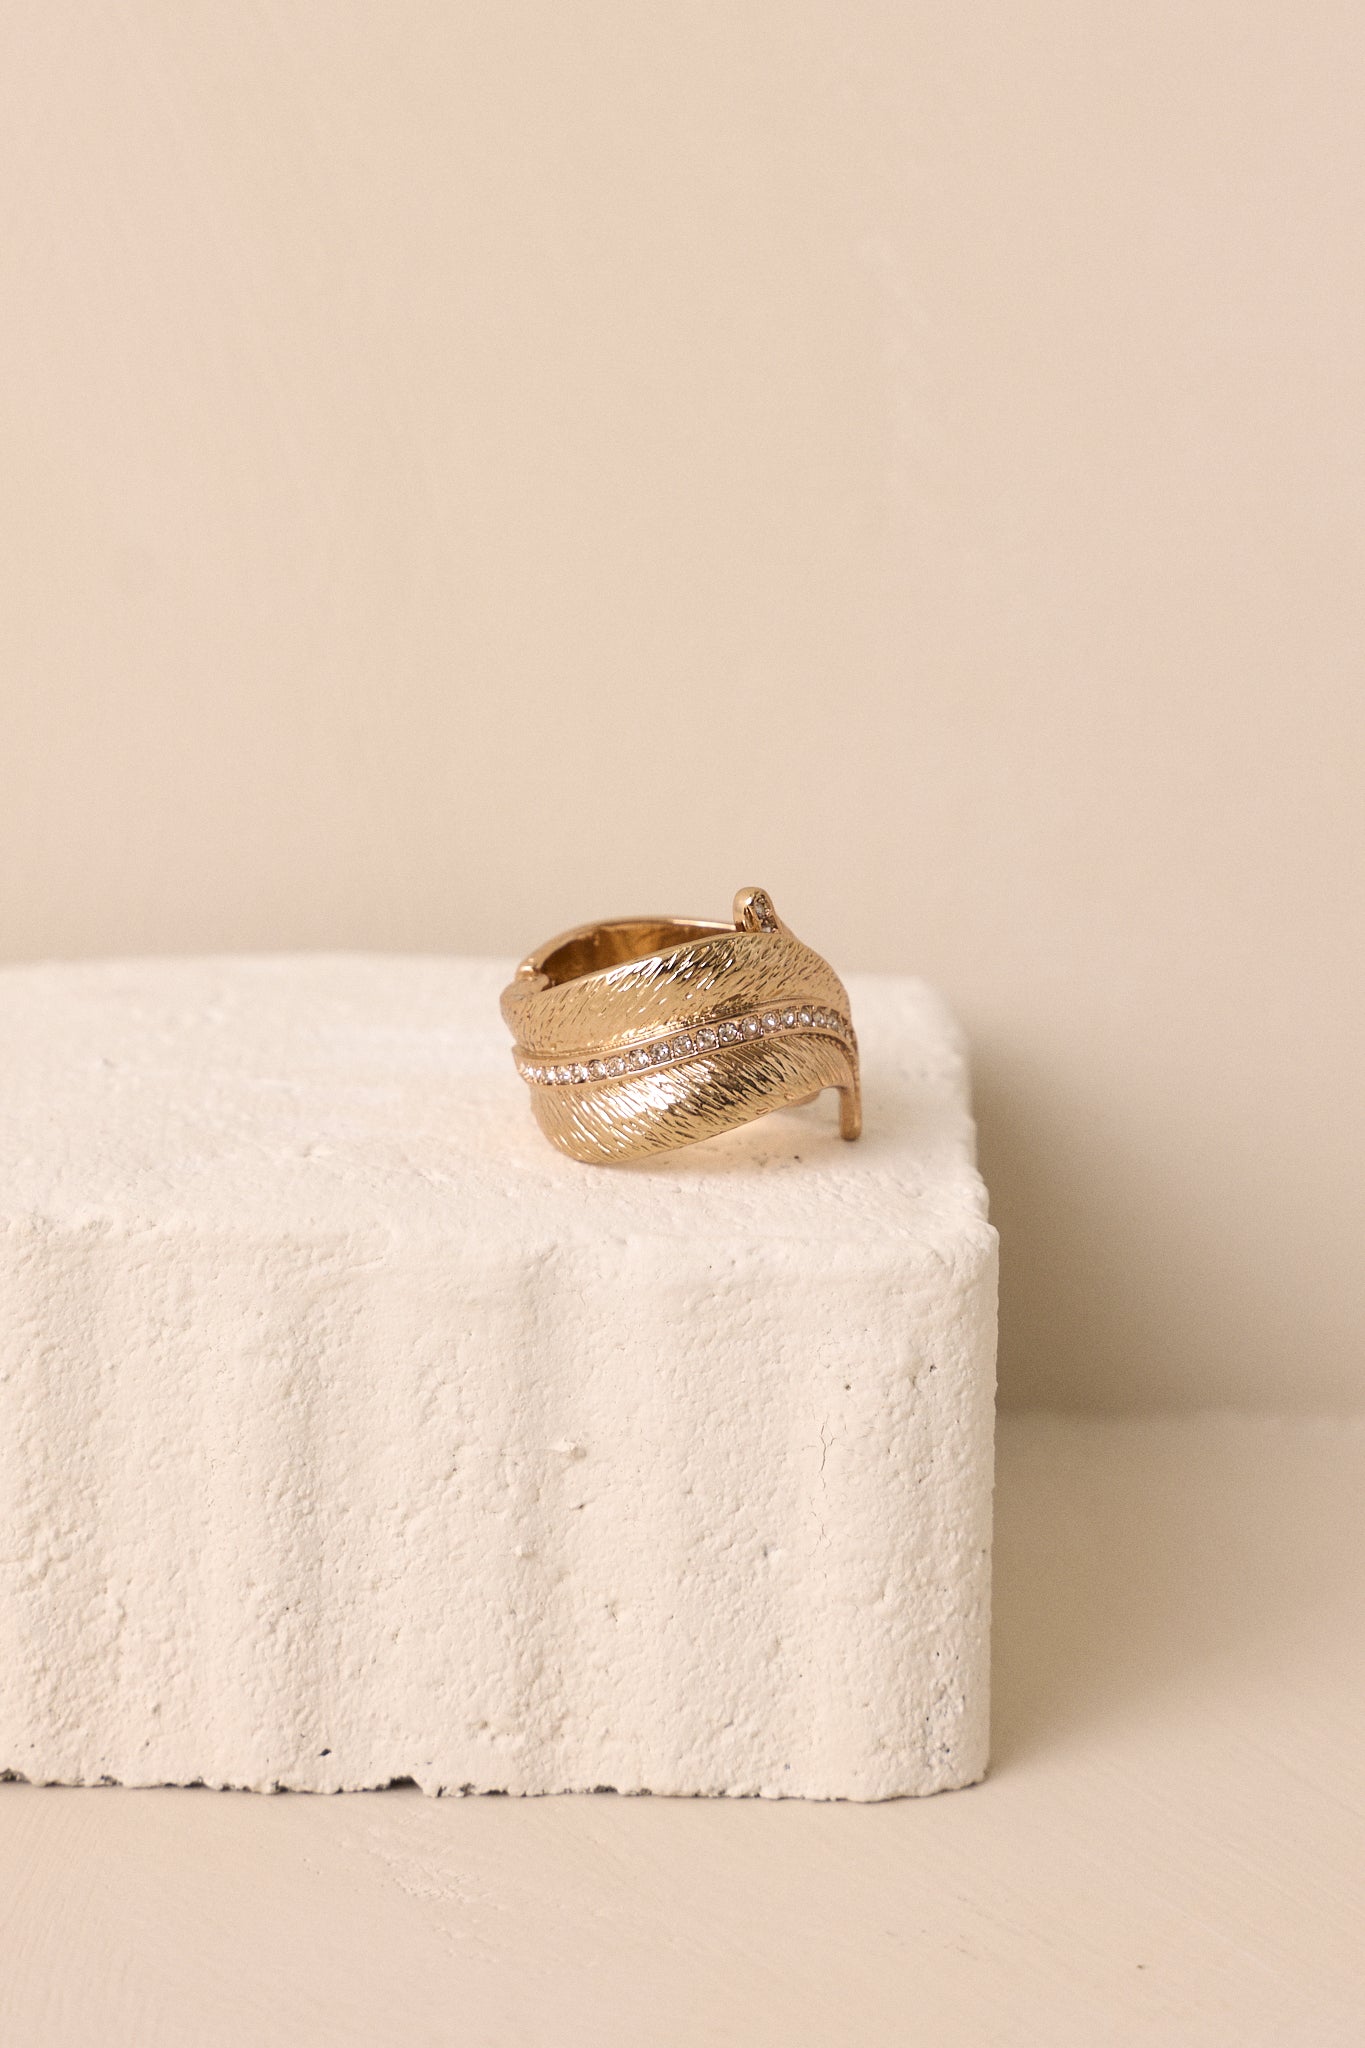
<point>667,1050</point>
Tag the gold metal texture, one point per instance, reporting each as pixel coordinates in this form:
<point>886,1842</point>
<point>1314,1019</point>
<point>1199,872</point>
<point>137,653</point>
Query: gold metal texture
<point>644,1034</point>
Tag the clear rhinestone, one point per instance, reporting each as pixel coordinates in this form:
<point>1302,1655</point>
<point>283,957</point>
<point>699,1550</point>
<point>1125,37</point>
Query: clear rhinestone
<point>641,1056</point>
<point>772,1021</point>
<point>580,1073</point>
<point>680,1046</point>
<point>706,1036</point>
<point>789,1018</point>
<point>753,1027</point>
<point>616,1064</point>
<point>662,1051</point>
<point>596,1069</point>
<point>728,1033</point>
<point>805,1016</point>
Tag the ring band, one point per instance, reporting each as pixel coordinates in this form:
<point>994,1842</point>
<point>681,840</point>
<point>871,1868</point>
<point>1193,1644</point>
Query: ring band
<point>646,1033</point>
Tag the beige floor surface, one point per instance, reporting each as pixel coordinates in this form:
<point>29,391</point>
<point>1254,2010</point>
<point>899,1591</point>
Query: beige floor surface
<point>1170,1848</point>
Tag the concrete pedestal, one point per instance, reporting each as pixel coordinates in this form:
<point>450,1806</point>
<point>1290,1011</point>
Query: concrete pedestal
<point>349,1433</point>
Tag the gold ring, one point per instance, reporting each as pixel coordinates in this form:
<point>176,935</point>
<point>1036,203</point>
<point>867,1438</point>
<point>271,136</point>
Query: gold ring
<point>645,1033</point>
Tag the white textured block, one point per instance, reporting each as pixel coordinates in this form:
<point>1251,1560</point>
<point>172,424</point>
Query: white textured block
<point>349,1433</point>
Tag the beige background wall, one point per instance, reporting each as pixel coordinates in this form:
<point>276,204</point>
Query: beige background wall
<point>469,468</point>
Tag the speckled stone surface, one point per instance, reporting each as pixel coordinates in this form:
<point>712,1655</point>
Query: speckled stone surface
<point>349,1433</point>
